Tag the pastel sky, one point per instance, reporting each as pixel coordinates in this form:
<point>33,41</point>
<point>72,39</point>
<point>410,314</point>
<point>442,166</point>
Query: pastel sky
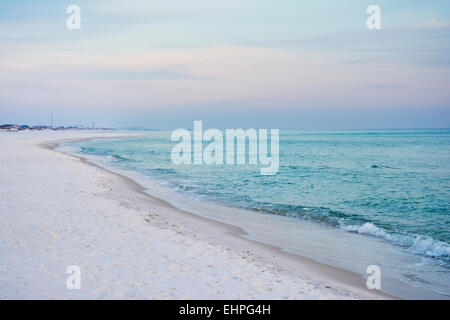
<point>231,63</point>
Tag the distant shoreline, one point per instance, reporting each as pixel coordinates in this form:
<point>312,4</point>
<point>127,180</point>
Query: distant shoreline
<point>16,127</point>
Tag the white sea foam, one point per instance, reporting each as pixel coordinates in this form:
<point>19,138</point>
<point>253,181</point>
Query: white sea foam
<point>414,243</point>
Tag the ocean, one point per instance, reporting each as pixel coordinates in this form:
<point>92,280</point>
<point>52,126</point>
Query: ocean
<point>389,185</point>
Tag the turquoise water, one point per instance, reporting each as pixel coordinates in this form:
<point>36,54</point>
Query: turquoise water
<point>389,184</point>
<point>393,185</point>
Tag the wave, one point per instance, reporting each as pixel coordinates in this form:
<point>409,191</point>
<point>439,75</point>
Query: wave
<point>378,166</point>
<point>165,171</point>
<point>417,244</point>
<point>118,158</point>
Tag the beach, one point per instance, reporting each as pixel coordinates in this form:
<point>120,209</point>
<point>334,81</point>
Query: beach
<point>58,210</point>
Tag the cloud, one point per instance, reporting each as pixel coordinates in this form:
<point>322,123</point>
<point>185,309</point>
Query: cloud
<point>165,73</point>
<point>388,86</point>
<point>259,54</point>
<point>434,23</point>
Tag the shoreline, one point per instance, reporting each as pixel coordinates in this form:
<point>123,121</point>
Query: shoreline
<point>233,237</point>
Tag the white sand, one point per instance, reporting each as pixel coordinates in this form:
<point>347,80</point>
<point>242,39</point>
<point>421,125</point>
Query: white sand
<point>56,211</point>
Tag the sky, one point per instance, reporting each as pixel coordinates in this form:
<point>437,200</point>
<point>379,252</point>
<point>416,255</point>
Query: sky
<point>287,64</point>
